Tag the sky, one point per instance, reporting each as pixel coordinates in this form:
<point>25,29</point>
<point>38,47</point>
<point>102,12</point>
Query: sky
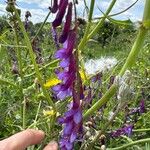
<point>39,9</point>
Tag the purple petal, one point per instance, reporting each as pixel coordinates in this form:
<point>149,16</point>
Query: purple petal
<point>142,106</point>
<point>61,54</point>
<point>62,95</point>
<point>56,88</point>
<point>66,29</point>
<point>69,146</point>
<point>54,8</point>
<point>128,130</point>
<point>65,63</point>
<point>62,142</point>
<point>62,75</point>
<point>68,128</point>
<point>60,14</point>
<point>54,35</point>
<point>77,117</point>
<point>61,120</point>
<point>73,137</point>
<point>65,44</point>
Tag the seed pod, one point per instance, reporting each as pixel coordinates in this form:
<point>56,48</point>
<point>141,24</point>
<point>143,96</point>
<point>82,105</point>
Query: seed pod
<point>9,8</point>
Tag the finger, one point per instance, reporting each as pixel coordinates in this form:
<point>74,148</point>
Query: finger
<point>22,140</point>
<point>51,146</point>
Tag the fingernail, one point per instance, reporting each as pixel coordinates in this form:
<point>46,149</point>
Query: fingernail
<point>53,145</point>
<point>41,132</point>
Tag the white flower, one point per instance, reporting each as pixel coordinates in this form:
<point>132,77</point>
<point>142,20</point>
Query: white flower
<point>125,91</point>
<point>100,65</point>
<point>110,116</point>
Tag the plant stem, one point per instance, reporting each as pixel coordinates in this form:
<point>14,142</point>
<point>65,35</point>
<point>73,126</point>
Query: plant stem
<point>18,52</point>
<point>32,56</point>
<point>41,26</point>
<point>7,45</point>
<point>102,101</point>
<point>6,82</point>
<point>24,114</point>
<point>84,39</point>
<point>135,50</point>
<point>141,130</point>
<point>106,126</point>
<point>128,64</point>
<point>98,26</point>
<point>42,68</point>
<point>130,144</point>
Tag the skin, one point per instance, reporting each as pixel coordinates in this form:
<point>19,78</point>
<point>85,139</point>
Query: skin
<point>22,140</point>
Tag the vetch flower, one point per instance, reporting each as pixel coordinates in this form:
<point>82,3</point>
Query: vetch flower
<point>27,15</point>
<point>68,65</point>
<point>55,37</point>
<point>126,130</point>
<point>142,106</point>
<point>67,25</point>
<point>60,13</point>
<point>72,121</point>
<point>139,110</point>
<point>54,8</point>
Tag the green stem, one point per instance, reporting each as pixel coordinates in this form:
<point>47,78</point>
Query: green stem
<point>84,39</point>
<point>32,56</point>
<point>44,67</point>
<point>102,101</point>
<point>41,26</point>
<point>18,53</point>
<point>98,26</point>
<point>6,82</point>
<point>128,64</point>
<point>7,45</point>
<point>130,144</point>
<point>118,12</point>
<point>135,50</point>
<point>106,126</point>
<point>21,75</point>
<point>24,114</point>
<point>141,130</point>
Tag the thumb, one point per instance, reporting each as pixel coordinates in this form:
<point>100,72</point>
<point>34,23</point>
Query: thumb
<point>51,146</point>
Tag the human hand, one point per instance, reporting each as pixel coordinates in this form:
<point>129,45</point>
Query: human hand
<point>22,140</point>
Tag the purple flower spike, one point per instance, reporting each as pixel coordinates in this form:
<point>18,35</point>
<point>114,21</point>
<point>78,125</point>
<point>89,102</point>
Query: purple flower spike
<point>72,121</point>
<point>68,65</point>
<point>126,130</point>
<point>54,35</point>
<point>142,106</point>
<point>66,29</point>
<point>60,14</point>
<point>54,8</point>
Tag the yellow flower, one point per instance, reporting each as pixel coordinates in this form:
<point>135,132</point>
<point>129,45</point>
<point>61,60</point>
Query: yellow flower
<point>52,82</point>
<point>83,75</point>
<point>50,113</point>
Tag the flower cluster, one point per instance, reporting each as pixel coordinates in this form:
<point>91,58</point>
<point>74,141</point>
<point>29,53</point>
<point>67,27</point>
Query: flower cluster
<point>27,15</point>
<point>126,130</point>
<point>72,121</point>
<point>68,66</point>
<point>68,73</point>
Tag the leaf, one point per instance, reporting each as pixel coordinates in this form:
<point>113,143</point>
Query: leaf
<point>121,22</point>
<point>2,53</point>
<point>7,82</point>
